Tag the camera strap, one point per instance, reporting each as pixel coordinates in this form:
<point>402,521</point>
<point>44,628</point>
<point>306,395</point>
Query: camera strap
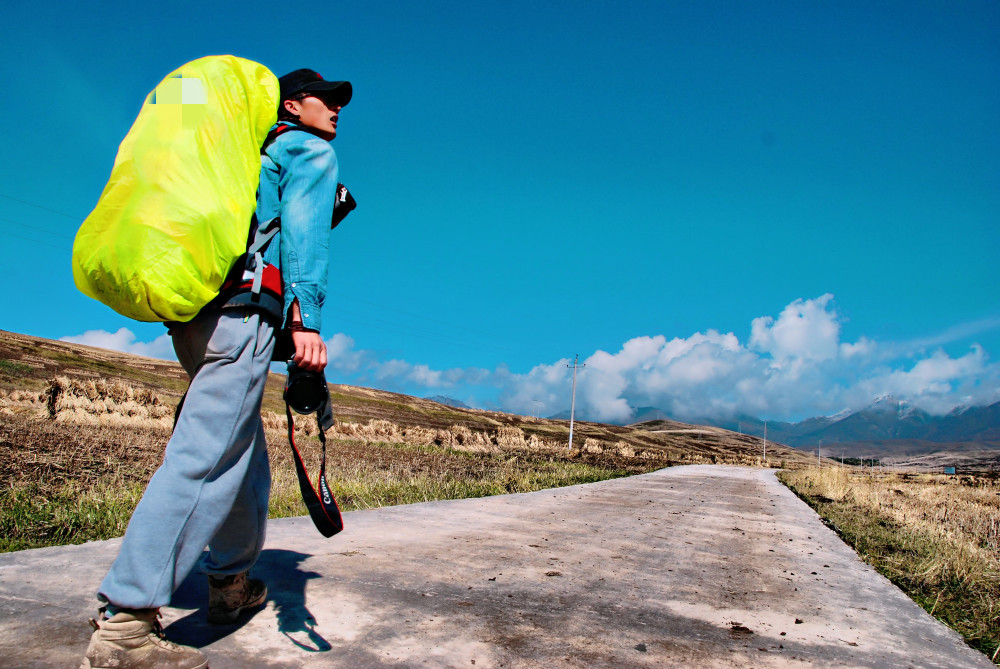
<point>322,506</point>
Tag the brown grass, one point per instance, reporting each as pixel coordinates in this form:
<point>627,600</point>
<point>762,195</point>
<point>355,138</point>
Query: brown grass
<point>103,401</point>
<point>75,457</point>
<point>936,536</point>
<point>30,363</point>
<point>82,430</point>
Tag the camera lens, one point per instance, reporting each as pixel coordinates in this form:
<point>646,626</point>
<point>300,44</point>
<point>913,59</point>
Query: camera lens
<point>305,392</point>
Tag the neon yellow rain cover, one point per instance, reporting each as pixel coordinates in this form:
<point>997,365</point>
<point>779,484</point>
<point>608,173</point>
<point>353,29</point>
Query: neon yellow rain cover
<point>176,211</point>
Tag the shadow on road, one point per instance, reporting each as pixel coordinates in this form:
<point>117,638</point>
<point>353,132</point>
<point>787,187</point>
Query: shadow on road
<point>286,584</point>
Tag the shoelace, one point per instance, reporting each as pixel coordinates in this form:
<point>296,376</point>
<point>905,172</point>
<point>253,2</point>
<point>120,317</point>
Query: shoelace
<point>240,585</point>
<point>160,634</point>
<point>157,627</point>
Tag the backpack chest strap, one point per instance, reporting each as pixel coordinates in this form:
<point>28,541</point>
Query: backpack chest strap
<point>262,237</point>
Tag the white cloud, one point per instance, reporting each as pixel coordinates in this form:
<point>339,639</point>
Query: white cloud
<point>948,336</point>
<point>792,366</point>
<point>540,391</point>
<point>862,348</point>
<point>805,330</point>
<point>939,383</point>
<point>407,377</point>
<point>341,355</point>
<point>124,340</point>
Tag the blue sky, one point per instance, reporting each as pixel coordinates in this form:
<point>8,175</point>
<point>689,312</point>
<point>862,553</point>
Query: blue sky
<point>782,208</point>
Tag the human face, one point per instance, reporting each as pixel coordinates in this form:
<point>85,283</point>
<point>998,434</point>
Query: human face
<point>315,113</point>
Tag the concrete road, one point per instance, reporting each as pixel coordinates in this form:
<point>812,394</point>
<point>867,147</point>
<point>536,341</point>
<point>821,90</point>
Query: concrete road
<point>701,566</point>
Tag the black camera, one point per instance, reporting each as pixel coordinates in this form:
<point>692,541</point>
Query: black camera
<point>306,392</point>
<point>343,204</point>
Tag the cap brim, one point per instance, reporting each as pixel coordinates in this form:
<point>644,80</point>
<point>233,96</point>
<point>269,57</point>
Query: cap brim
<point>337,92</point>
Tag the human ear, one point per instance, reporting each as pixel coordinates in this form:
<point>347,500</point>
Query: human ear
<point>293,106</point>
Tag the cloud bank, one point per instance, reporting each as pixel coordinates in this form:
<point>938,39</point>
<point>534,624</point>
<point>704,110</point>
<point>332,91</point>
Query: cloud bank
<point>791,366</point>
<point>124,340</point>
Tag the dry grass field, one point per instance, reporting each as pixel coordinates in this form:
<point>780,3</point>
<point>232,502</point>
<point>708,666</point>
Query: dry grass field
<point>75,457</point>
<point>83,429</point>
<point>29,364</point>
<point>935,536</point>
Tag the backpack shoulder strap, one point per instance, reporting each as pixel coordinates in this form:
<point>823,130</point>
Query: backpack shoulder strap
<point>262,236</point>
<point>282,128</point>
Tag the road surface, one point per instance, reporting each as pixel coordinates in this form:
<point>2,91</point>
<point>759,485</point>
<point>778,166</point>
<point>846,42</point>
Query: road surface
<point>697,566</point>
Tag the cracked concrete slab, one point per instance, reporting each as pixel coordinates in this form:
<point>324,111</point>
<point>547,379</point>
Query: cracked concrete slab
<point>697,566</point>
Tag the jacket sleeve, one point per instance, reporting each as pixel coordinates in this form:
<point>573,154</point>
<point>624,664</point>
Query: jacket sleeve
<point>307,186</point>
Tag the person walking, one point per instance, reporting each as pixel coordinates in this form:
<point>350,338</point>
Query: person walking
<point>213,486</point>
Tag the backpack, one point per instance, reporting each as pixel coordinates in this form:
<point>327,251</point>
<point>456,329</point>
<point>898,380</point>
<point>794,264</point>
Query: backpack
<point>175,214</point>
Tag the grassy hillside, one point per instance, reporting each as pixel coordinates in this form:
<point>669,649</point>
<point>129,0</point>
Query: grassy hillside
<point>30,363</point>
<point>82,429</point>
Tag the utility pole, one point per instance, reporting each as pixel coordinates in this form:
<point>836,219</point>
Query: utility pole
<point>765,443</point>
<point>572,406</point>
<point>819,449</point>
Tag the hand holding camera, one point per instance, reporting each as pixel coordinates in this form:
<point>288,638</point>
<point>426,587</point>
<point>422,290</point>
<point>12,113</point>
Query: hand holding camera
<point>305,390</point>
<point>310,351</point>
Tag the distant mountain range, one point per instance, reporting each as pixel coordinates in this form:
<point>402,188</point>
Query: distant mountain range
<point>886,419</point>
<point>449,401</point>
<point>888,424</point>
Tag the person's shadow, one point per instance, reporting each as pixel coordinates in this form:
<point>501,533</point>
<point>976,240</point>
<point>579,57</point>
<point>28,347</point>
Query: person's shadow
<point>286,589</point>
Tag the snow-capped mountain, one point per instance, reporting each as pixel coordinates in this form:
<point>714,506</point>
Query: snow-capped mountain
<point>887,418</point>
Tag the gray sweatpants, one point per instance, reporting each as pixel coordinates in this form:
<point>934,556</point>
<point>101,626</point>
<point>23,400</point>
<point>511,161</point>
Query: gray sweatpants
<point>212,488</point>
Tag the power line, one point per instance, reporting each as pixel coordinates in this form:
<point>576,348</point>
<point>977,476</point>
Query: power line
<point>436,320</point>
<point>437,335</point>
<point>38,206</point>
<point>381,322</point>
<point>434,335</point>
<point>35,227</point>
<point>37,241</point>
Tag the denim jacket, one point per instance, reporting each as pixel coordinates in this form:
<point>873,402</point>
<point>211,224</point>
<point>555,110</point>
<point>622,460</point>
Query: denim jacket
<point>298,182</point>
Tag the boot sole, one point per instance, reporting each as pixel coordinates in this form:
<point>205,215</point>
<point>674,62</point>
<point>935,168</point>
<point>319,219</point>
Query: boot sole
<point>87,665</point>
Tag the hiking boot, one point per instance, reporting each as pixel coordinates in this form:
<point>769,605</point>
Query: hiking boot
<point>133,639</point>
<point>229,596</point>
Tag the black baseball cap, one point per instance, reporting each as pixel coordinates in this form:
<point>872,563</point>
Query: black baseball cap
<point>300,81</point>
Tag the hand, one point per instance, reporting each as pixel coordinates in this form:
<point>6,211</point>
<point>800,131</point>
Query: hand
<point>310,351</point>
